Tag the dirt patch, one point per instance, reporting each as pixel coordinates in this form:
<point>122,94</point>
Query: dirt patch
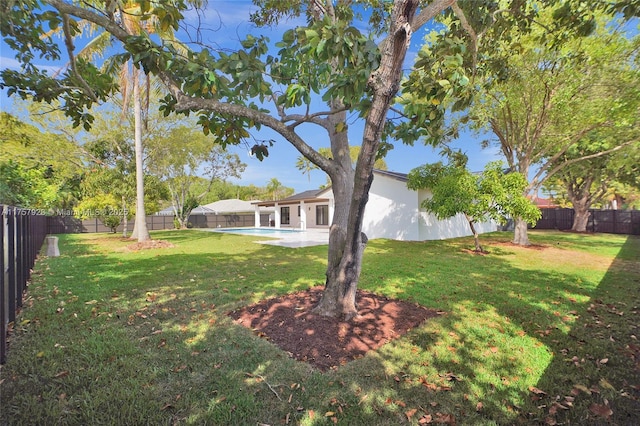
<point>323,342</point>
<point>475,252</point>
<point>529,247</point>
<point>147,245</point>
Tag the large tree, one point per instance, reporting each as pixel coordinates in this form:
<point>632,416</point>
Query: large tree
<point>592,181</point>
<point>551,90</point>
<point>328,57</point>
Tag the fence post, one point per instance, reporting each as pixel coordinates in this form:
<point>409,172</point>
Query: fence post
<point>12,265</point>
<point>4,284</point>
<point>21,235</point>
<point>20,261</point>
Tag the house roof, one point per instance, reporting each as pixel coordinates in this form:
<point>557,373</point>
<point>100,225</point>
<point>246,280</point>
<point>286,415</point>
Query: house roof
<point>201,210</point>
<point>233,205</point>
<point>312,195</point>
<point>198,210</point>
<point>402,177</point>
<point>166,211</point>
<point>543,203</point>
<point>316,195</point>
<point>305,195</point>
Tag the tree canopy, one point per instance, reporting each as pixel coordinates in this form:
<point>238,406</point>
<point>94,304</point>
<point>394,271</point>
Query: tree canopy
<point>37,169</point>
<point>490,195</point>
<point>182,154</point>
<point>349,57</point>
<point>546,87</point>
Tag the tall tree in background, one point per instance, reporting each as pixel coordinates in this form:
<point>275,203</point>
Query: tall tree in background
<point>137,21</point>
<point>328,58</point>
<point>182,154</point>
<point>306,166</point>
<point>38,169</point>
<point>274,189</point>
<point>110,182</point>
<point>591,181</point>
<point>551,93</point>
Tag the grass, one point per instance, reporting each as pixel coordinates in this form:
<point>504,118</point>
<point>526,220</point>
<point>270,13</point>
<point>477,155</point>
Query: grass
<point>528,335</point>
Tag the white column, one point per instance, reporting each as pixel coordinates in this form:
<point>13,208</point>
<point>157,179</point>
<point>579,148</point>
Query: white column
<point>277,213</point>
<point>256,221</point>
<point>303,216</point>
<point>331,210</point>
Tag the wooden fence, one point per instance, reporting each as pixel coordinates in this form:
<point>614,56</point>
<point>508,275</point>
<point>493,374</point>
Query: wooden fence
<point>607,221</point>
<point>22,233</point>
<point>72,225</point>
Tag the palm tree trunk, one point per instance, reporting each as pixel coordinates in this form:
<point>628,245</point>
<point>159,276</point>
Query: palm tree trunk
<point>140,231</point>
<point>124,218</point>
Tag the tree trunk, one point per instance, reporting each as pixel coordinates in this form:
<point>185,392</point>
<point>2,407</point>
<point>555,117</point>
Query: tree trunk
<point>520,235</point>
<point>581,214</point>
<point>140,231</point>
<point>336,300</point>
<point>476,238</point>
<point>347,243</point>
<point>124,218</point>
<point>183,221</point>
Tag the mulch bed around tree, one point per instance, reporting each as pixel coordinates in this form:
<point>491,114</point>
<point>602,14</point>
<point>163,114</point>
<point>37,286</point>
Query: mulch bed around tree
<point>150,244</point>
<point>323,342</point>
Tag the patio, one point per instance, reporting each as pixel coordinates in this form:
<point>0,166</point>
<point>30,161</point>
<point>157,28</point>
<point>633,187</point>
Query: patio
<point>307,238</point>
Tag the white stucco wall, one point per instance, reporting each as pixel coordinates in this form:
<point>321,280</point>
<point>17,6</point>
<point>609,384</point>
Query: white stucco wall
<point>431,228</point>
<point>392,210</point>
<point>307,215</point>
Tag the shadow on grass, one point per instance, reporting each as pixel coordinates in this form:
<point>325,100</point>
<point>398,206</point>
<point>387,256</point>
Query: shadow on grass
<point>132,338</point>
<point>510,333</point>
<point>596,379</point>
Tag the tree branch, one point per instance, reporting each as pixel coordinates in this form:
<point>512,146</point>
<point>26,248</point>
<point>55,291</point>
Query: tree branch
<point>311,118</point>
<point>187,103</point>
<point>430,12</point>
<point>586,157</point>
<point>70,9</point>
<point>470,31</point>
<point>560,153</point>
<point>68,42</point>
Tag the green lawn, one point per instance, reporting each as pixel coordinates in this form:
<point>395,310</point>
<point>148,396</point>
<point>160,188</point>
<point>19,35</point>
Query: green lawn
<point>528,335</point>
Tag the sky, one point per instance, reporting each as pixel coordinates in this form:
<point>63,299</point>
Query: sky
<point>228,22</point>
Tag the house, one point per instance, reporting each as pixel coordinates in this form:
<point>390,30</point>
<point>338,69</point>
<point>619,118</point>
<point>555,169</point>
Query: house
<point>198,210</point>
<point>543,203</point>
<point>231,206</point>
<point>225,214</point>
<point>309,209</point>
<point>393,211</point>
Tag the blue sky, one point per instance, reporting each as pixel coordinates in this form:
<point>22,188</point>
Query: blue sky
<point>228,21</point>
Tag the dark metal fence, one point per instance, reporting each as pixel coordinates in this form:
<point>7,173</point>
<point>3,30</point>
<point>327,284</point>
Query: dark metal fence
<point>71,225</point>
<point>607,221</point>
<point>22,233</point>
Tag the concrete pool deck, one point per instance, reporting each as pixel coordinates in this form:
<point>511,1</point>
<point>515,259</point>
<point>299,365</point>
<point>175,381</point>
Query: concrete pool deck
<point>307,238</point>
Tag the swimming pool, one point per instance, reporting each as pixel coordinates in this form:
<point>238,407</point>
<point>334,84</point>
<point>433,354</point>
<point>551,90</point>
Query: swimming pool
<point>265,232</point>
